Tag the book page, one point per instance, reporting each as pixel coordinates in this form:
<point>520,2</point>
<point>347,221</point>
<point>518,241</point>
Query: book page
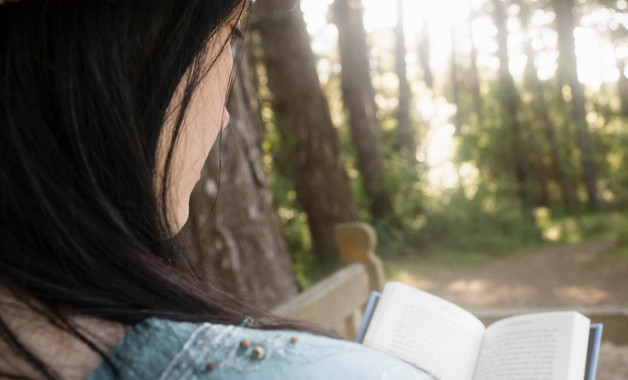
<point>427,331</point>
<point>543,346</point>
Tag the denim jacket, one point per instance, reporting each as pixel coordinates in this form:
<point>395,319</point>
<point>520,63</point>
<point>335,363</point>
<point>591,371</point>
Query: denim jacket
<point>162,349</point>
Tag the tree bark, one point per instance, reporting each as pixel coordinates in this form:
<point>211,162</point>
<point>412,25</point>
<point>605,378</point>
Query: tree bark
<point>425,54</point>
<point>310,145</point>
<point>474,76</point>
<point>359,100</point>
<point>622,87</point>
<point>405,134</point>
<point>568,70</point>
<point>541,112</point>
<point>510,101</point>
<point>455,84</point>
<point>238,239</point>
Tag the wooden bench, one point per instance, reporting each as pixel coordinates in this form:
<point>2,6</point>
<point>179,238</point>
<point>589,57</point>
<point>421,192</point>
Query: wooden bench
<point>337,302</point>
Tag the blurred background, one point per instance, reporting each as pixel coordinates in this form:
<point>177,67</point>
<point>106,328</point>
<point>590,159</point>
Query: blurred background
<point>467,132</point>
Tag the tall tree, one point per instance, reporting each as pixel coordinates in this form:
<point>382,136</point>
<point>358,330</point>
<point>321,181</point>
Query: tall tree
<point>540,109</point>
<point>455,83</point>
<point>425,46</point>
<point>359,100</point>
<point>310,145</point>
<point>405,134</point>
<point>622,86</point>
<point>568,71</point>
<point>474,76</point>
<point>239,240</point>
<point>619,37</point>
<point>510,101</point>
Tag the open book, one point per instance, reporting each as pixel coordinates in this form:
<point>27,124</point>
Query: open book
<point>450,343</point>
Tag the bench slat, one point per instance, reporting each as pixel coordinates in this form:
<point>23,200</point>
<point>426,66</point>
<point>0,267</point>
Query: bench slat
<point>331,301</point>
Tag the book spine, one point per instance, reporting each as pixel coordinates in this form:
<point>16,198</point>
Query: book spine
<point>368,314</point>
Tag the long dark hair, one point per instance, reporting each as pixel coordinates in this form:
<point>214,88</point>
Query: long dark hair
<point>85,87</point>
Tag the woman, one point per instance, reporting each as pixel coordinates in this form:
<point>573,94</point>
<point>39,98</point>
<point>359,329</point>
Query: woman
<point>107,111</point>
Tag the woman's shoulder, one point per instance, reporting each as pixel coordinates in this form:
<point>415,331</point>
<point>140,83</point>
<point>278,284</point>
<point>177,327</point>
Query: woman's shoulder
<point>162,349</point>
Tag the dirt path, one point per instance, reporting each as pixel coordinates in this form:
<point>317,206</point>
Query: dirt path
<point>554,276</point>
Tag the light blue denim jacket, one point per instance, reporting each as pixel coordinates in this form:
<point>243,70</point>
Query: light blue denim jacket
<point>162,349</point>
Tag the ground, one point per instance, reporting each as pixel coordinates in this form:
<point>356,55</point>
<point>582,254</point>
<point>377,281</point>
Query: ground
<point>577,275</point>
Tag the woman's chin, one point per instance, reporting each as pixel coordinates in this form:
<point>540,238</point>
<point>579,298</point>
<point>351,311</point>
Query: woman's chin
<point>179,221</point>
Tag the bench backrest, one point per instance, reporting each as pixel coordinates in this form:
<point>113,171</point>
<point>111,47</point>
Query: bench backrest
<point>337,302</point>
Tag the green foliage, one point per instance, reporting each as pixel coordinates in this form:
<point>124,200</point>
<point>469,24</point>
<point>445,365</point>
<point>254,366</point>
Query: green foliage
<point>491,221</point>
<point>477,221</point>
<point>487,222</point>
<point>306,264</point>
<point>604,225</point>
<point>291,215</point>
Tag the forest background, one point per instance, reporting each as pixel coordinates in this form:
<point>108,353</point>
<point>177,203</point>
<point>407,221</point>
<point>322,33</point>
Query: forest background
<point>462,130</point>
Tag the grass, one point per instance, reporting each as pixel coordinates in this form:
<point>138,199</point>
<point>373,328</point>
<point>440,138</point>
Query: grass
<point>442,261</point>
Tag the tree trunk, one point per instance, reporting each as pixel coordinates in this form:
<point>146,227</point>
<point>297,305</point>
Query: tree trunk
<point>238,239</point>
<point>541,112</point>
<point>310,145</point>
<point>405,134</point>
<point>474,76</point>
<point>568,70</point>
<point>425,54</point>
<point>541,175</point>
<point>455,84</point>
<point>359,100</point>
<point>622,87</point>
<point>510,101</point>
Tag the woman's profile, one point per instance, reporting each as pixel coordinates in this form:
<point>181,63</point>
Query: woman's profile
<point>108,110</point>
